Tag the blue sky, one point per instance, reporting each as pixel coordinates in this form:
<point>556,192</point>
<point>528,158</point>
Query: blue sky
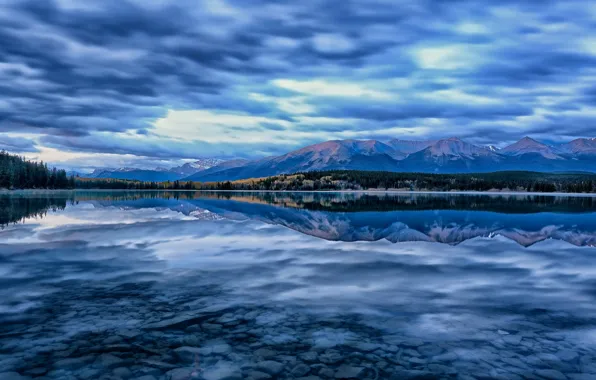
<point>152,83</point>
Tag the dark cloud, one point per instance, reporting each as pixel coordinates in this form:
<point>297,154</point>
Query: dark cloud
<point>69,71</point>
<point>17,144</point>
<point>154,148</point>
<point>386,111</point>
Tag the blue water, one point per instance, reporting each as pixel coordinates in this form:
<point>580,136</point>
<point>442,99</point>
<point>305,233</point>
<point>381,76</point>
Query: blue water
<point>153,285</point>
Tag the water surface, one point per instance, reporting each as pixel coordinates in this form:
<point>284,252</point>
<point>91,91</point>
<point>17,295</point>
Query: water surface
<point>183,285</point>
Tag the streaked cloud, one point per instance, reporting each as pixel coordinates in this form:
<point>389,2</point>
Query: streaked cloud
<point>173,80</point>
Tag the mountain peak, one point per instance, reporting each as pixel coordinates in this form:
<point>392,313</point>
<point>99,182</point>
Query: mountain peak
<point>529,145</point>
<point>525,142</point>
<point>448,155</point>
<point>454,146</point>
<point>580,146</point>
<point>198,165</point>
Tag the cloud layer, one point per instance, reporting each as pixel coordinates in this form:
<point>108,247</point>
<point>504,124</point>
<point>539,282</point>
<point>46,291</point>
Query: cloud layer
<point>173,80</point>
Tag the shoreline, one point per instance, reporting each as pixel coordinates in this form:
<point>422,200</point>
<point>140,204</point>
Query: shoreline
<point>371,191</point>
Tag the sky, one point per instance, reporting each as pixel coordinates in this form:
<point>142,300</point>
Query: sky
<point>110,83</point>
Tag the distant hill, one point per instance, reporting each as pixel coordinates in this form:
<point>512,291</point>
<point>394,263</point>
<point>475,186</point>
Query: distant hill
<point>191,168</point>
<point>140,175</point>
<point>158,174</point>
<point>451,155</point>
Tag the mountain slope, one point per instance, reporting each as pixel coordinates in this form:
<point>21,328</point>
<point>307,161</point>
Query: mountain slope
<point>528,145</point>
<point>158,174</point>
<point>191,168</point>
<point>580,147</point>
<point>222,167</point>
<point>452,156</point>
<point>337,154</point>
<point>409,146</point>
<point>140,175</point>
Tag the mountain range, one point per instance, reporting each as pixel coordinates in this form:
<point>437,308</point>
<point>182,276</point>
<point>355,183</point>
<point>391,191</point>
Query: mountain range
<point>158,174</point>
<point>450,155</point>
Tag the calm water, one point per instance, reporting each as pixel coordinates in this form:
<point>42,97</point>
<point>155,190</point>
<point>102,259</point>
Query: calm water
<point>154,285</point>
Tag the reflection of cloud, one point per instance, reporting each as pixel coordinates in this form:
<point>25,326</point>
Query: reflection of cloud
<point>254,256</point>
<point>447,291</point>
<point>33,270</point>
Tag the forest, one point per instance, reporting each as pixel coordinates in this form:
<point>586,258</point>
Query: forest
<point>18,173</point>
<point>124,184</point>
<point>367,180</point>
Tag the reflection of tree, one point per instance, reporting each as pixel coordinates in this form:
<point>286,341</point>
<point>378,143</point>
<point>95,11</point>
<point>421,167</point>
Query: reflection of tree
<point>14,209</point>
<point>357,202</point>
<point>121,195</point>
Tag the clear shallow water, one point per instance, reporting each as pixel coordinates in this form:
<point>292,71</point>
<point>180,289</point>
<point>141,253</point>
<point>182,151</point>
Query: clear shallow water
<point>243,285</point>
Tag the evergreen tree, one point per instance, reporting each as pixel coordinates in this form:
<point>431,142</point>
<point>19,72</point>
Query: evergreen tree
<point>18,173</point>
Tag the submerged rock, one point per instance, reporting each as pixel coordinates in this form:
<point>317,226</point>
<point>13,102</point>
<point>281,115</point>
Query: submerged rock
<point>13,376</point>
<point>214,347</point>
<point>348,372</point>
<point>108,361</point>
<point>187,354</point>
<point>550,374</point>
<point>270,366</point>
<point>146,377</point>
<point>223,371</point>
<point>403,374</point>
<point>73,363</point>
<point>258,375</point>
<point>300,370</point>
<point>180,374</point>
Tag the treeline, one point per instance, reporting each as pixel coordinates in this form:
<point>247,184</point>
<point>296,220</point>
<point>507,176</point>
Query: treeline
<point>364,180</point>
<point>18,173</point>
<point>125,184</point>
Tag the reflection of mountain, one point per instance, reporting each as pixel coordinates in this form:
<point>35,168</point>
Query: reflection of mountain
<point>444,220</point>
<point>443,226</point>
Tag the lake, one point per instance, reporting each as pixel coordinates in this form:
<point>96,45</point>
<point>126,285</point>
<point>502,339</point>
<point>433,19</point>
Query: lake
<point>208,285</point>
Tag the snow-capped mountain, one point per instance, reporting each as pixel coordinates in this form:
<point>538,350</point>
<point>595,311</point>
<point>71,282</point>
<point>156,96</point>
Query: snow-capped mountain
<point>191,168</point>
<point>336,154</point>
<point>158,174</point>
<point>450,155</point>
